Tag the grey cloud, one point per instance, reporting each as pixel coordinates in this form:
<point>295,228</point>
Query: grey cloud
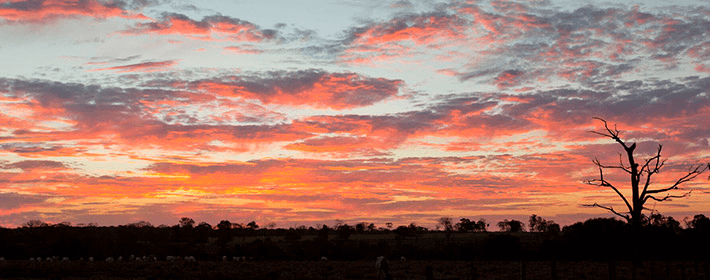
<point>207,24</point>
<point>14,200</point>
<point>28,165</point>
<point>576,37</point>
<point>270,86</point>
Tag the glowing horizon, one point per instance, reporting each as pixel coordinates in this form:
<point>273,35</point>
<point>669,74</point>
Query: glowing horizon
<point>115,112</point>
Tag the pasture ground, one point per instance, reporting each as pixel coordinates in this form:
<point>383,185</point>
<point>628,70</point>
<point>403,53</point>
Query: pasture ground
<point>293,270</point>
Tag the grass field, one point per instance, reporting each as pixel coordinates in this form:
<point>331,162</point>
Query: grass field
<point>293,270</point>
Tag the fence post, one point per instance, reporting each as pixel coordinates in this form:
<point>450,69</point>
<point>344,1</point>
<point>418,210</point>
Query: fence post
<point>473,272</point>
<point>612,270</point>
<point>682,270</point>
<point>653,269</point>
<point>553,269</point>
<point>429,272</point>
<point>668,269</point>
<point>522,269</point>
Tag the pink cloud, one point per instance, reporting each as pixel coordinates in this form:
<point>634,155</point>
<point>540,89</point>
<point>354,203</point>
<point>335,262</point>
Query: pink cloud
<point>421,29</point>
<point>216,27</point>
<point>305,88</point>
<point>387,40</point>
<point>448,72</point>
<point>702,68</point>
<point>244,49</point>
<point>508,79</point>
<point>42,10</point>
<point>141,67</point>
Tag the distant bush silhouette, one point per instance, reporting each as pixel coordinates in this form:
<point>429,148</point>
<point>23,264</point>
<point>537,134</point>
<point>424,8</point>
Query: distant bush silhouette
<point>594,239</point>
<point>34,224</point>
<point>699,223</point>
<point>511,226</point>
<point>447,225</point>
<point>186,222</point>
<point>466,225</point>
<point>538,224</point>
<point>344,231</point>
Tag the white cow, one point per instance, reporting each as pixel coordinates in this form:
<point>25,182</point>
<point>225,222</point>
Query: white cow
<point>383,268</point>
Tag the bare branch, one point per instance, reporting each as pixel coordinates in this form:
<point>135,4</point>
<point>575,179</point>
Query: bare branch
<point>694,172</point>
<point>609,208</point>
<point>646,184</point>
<point>604,183</point>
<point>613,134</point>
<point>602,134</point>
<point>621,164</point>
<point>650,172</point>
<point>657,158</point>
<point>622,167</point>
<point>667,197</point>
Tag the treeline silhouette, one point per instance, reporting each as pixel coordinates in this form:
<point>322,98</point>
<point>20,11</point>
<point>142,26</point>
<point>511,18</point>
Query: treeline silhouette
<point>662,238</point>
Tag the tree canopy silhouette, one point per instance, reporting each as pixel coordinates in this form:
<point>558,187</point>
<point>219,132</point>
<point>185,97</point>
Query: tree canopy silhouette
<point>186,222</point>
<point>538,224</point>
<point>640,177</point>
<point>511,226</point>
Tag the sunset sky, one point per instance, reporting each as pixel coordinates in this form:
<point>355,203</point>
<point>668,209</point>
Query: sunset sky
<point>304,112</point>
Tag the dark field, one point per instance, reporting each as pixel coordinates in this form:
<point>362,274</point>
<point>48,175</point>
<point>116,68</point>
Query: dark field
<point>410,269</point>
<point>595,249</point>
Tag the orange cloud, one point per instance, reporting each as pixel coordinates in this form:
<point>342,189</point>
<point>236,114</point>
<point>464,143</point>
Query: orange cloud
<point>421,29</point>
<point>508,79</point>
<point>42,10</point>
<point>216,27</point>
<point>305,88</point>
<point>389,40</point>
<point>344,146</point>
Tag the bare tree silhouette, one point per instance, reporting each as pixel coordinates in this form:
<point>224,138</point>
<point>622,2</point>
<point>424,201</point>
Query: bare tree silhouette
<point>640,179</point>
<point>34,224</point>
